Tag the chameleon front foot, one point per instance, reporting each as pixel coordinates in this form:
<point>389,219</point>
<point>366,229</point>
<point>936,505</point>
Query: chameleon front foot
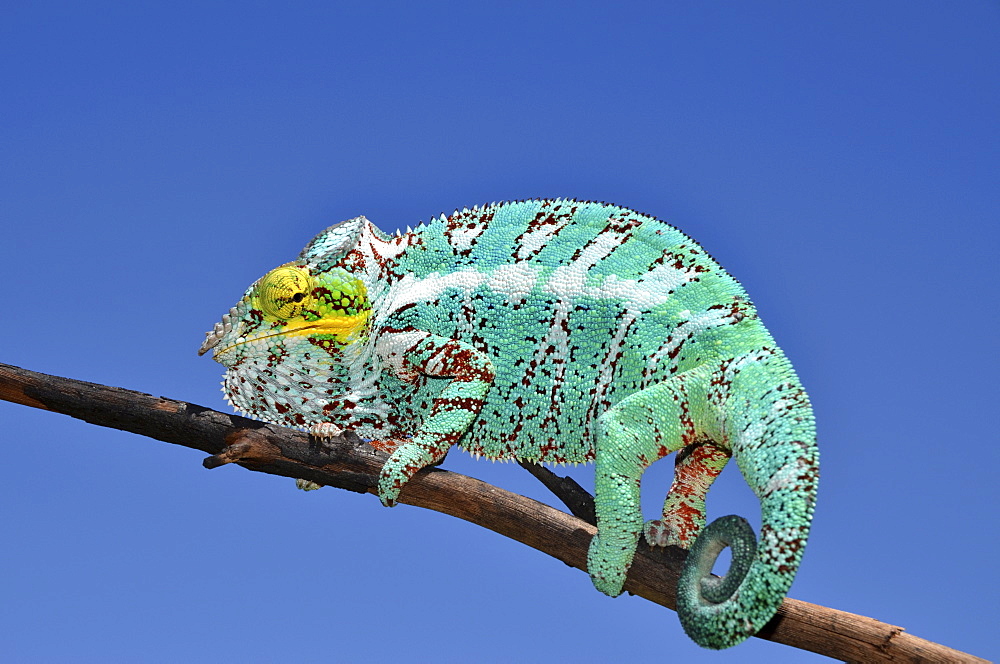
<point>324,432</point>
<point>387,489</point>
<point>407,458</point>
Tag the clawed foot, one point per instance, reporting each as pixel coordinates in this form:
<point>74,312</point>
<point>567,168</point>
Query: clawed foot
<point>608,566</point>
<point>324,432</point>
<point>660,532</point>
<point>388,492</point>
<point>407,458</point>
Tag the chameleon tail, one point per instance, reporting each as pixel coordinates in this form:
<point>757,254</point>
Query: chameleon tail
<point>774,445</point>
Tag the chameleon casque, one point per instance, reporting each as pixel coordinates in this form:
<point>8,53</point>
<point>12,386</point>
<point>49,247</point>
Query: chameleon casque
<point>550,331</point>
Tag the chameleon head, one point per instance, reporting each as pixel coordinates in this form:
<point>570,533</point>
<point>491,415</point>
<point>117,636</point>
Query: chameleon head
<point>288,342</point>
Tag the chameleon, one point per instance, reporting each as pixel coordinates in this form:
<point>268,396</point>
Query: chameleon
<point>552,331</point>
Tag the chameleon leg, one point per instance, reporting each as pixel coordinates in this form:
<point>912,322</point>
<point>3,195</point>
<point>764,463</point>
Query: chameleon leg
<point>695,469</point>
<point>630,436</point>
<point>454,409</point>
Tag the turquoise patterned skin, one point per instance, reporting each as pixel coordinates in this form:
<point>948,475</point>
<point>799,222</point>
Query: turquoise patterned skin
<point>554,331</point>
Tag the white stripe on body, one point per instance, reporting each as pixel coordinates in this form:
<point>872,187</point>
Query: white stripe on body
<point>534,239</point>
<point>690,328</point>
<point>606,375</point>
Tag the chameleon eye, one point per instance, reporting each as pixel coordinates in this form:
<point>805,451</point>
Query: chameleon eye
<point>284,292</point>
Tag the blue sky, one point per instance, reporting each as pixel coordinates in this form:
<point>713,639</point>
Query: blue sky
<point>841,160</point>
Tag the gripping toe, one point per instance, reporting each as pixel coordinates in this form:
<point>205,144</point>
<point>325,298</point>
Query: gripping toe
<point>608,565</point>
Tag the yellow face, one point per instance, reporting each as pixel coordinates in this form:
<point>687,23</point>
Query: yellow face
<point>290,301</point>
<point>284,292</point>
<point>289,343</point>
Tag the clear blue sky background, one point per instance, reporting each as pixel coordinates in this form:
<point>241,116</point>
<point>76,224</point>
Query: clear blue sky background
<point>841,159</point>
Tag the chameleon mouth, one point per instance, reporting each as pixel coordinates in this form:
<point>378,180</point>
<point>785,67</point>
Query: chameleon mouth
<point>342,328</point>
<point>264,337</point>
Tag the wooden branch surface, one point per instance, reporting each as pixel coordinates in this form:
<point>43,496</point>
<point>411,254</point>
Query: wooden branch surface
<point>354,466</point>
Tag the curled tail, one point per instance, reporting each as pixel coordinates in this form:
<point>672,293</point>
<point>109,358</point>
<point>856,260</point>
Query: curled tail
<point>770,426</point>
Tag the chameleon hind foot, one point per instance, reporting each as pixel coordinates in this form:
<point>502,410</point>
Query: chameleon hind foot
<point>659,532</point>
<point>608,565</point>
<point>695,469</point>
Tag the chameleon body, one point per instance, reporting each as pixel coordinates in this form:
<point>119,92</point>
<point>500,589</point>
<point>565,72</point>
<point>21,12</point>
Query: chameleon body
<point>550,331</point>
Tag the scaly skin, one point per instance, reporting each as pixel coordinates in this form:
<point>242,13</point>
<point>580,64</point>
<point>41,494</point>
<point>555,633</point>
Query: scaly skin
<point>551,331</point>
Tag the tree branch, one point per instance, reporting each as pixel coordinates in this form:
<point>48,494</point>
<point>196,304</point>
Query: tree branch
<point>350,464</point>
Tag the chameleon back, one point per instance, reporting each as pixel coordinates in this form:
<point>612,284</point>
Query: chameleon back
<point>578,304</point>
